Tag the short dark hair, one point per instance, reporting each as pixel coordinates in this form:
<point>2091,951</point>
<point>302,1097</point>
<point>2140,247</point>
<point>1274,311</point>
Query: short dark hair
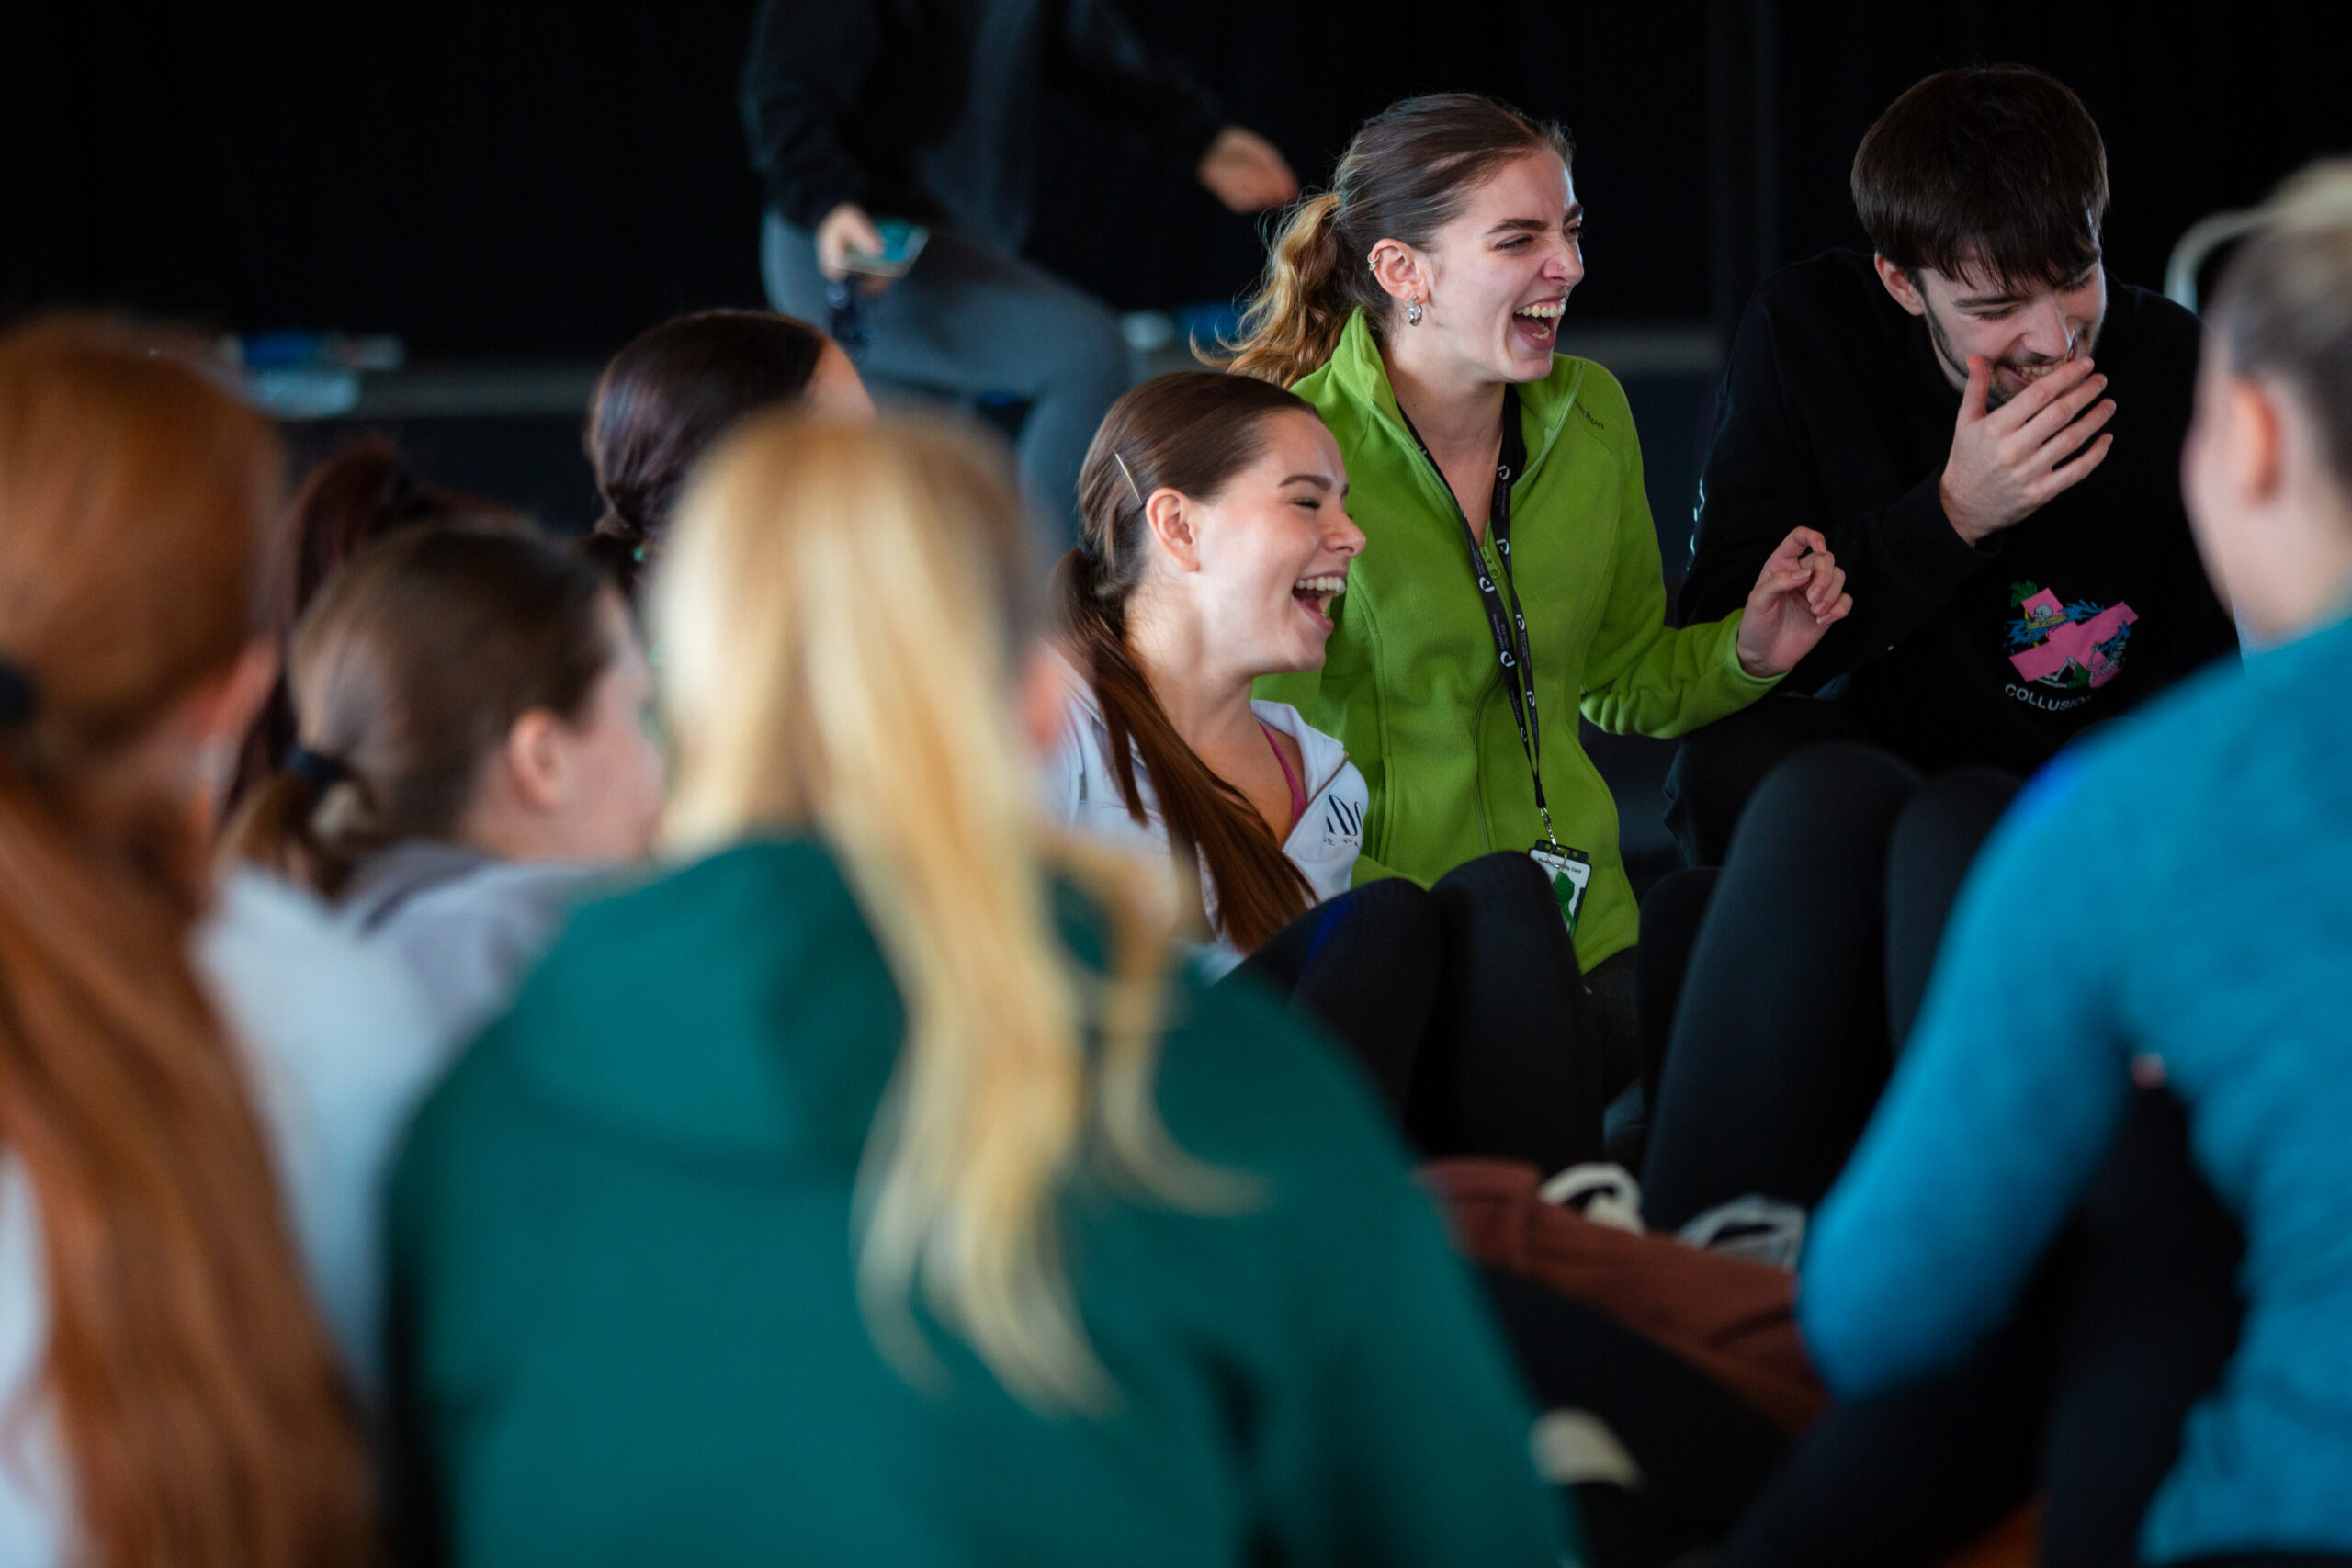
<point>1997,168</point>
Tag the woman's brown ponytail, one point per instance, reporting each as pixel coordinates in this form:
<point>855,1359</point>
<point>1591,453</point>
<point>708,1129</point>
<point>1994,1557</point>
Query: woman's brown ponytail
<point>1190,432</point>
<point>196,1394</point>
<point>1293,324</point>
<point>1404,176</point>
<point>410,669</point>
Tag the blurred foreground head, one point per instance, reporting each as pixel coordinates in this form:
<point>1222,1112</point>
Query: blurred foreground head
<point>674,391</point>
<point>847,621</point>
<point>365,491</point>
<point>2267,470</point>
<point>194,1393</point>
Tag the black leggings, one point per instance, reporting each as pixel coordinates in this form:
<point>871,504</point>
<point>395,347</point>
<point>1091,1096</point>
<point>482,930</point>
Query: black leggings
<point>2080,1399</point>
<point>1719,767</point>
<point>1802,963</point>
<point>1797,967</point>
<point>1464,1005</point>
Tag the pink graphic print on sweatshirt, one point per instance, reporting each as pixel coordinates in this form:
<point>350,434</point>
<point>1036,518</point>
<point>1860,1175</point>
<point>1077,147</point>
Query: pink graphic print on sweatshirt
<point>2066,641</point>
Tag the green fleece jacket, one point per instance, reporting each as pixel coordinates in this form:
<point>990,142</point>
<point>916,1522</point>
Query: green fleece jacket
<point>1410,683</point>
<point>626,1316</point>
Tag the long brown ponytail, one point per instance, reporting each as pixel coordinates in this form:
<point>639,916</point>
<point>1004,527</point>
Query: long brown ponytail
<point>1190,432</point>
<point>1403,177</point>
<point>195,1391</point>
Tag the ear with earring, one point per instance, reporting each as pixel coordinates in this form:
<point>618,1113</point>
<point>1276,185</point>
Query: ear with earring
<point>1413,310</point>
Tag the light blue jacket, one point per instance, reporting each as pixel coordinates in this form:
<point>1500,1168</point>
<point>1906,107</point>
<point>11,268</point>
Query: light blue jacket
<point>2179,888</point>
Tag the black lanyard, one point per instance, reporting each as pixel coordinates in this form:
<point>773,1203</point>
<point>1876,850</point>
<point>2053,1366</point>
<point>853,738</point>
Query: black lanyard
<point>1506,620</point>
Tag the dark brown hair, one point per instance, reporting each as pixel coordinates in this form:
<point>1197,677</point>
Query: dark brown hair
<point>1404,177</point>
<point>2284,303</point>
<point>1190,432</point>
<point>363,492</point>
<point>202,1413</point>
<point>1997,168</point>
<point>407,674</point>
<point>665,398</point>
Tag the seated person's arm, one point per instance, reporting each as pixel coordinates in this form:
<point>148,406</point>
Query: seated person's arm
<point>807,59</point>
<point>2014,1086</point>
<point>1902,563</point>
<point>1641,676</point>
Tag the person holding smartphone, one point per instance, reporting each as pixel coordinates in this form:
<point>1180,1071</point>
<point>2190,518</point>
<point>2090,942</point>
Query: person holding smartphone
<point>899,145</point>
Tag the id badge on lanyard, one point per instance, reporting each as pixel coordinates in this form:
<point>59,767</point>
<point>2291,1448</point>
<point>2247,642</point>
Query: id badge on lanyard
<point>1571,874</point>
<point>1570,870</point>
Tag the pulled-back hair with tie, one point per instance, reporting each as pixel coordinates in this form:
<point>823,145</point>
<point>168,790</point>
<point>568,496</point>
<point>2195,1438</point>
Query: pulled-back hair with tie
<point>1405,175</point>
<point>1191,432</point>
<point>663,402</point>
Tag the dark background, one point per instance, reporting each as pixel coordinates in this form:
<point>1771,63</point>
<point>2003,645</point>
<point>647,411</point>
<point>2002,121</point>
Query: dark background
<point>528,184</point>
<point>541,178</point>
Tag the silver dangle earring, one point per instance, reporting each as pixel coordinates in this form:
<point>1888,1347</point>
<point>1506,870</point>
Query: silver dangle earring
<point>1413,314</point>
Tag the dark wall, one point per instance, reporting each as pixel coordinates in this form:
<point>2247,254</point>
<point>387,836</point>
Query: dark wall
<point>2203,107</point>
<point>1306,73</point>
<point>482,177</point>
<point>542,177</point>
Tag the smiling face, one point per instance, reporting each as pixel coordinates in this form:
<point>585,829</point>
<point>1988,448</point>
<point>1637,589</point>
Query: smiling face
<point>1493,281</point>
<point>2022,330</point>
<point>1269,553</point>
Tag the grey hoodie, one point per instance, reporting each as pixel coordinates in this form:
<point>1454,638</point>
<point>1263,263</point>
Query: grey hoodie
<point>468,928</point>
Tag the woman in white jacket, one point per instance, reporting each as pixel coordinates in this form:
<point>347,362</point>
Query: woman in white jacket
<point>1215,535</point>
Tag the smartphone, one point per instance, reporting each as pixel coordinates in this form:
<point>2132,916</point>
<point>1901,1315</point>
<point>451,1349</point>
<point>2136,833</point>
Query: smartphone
<point>902,242</point>
<point>1571,874</point>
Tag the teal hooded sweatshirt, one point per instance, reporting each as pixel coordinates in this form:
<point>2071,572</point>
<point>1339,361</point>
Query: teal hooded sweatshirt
<point>1410,683</point>
<point>626,1303</point>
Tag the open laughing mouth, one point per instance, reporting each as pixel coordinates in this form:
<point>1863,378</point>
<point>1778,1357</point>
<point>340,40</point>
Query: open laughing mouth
<point>1539,324</point>
<point>2030,374</point>
<point>1317,593</point>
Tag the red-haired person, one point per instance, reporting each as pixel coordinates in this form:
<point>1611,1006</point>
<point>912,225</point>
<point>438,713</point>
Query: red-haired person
<point>173,1396</point>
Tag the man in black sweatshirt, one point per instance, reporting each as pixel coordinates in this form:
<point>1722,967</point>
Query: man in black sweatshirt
<point>1986,429</point>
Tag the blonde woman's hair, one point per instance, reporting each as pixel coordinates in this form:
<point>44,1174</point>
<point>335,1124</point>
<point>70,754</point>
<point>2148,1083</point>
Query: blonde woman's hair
<point>2284,303</point>
<point>839,616</point>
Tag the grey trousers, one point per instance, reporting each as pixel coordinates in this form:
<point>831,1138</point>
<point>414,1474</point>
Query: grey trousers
<point>967,321</point>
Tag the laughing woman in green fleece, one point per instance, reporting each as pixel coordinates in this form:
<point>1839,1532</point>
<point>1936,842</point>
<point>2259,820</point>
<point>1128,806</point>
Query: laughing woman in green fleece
<point>860,1192</point>
<point>1498,486</point>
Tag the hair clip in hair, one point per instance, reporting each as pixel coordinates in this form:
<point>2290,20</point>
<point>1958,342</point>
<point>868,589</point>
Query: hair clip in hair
<point>1124,474</point>
<point>18,696</point>
<point>321,772</point>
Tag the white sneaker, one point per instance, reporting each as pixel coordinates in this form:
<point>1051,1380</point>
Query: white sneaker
<point>1605,1194</point>
<point>1760,1229</point>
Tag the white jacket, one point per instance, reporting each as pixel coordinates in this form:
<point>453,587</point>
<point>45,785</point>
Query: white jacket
<point>339,1048</point>
<point>1082,794</point>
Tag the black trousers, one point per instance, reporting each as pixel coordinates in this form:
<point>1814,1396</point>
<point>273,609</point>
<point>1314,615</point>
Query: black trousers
<point>2079,1400</point>
<point>1702,1449</point>
<point>1718,768</point>
<point>1795,971</point>
<point>1464,1005</point>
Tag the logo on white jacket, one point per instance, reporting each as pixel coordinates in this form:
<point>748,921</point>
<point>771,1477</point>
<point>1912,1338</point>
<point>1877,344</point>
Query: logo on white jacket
<point>1343,824</point>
